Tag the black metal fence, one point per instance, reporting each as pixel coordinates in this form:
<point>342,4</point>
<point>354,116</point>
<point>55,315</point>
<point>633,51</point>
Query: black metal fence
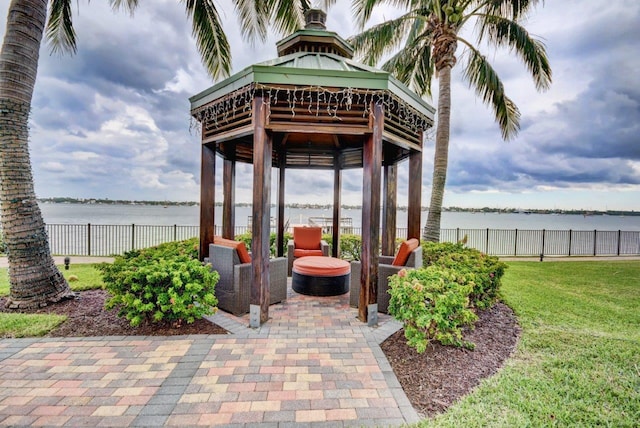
<point>107,240</point>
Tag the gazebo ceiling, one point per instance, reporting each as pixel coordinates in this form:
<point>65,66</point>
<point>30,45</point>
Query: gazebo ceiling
<point>319,103</point>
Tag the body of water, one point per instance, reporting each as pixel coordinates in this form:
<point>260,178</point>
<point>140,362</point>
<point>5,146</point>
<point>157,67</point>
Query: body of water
<point>189,215</point>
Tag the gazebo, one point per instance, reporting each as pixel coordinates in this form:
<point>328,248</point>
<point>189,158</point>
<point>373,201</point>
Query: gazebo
<point>313,107</point>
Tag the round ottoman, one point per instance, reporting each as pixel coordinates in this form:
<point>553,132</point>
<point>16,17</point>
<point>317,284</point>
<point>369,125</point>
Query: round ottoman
<point>320,276</point>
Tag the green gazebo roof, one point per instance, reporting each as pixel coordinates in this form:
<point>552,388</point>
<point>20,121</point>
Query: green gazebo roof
<point>328,67</point>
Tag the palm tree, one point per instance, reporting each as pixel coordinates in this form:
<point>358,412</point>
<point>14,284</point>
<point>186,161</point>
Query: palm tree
<point>425,40</point>
<point>34,278</point>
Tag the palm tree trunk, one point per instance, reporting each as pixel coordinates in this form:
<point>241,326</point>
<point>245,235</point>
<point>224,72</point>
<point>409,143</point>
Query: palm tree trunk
<point>441,155</point>
<point>34,278</point>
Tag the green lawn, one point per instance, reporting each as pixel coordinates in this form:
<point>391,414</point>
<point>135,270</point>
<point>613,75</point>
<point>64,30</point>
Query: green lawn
<point>578,361</point>
<point>21,325</point>
<point>88,278</point>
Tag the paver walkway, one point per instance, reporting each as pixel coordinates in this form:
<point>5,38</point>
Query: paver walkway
<point>313,364</point>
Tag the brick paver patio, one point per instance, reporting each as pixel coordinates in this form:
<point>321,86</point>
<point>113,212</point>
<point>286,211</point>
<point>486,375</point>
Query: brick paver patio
<point>312,364</point>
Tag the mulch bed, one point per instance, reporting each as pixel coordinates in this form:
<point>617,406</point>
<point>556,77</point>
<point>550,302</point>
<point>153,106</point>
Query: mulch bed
<point>88,317</point>
<point>435,379</point>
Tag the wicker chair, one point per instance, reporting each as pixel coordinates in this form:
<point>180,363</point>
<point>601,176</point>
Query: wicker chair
<point>386,268</point>
<point>307,241</point>
<point>234,287</point>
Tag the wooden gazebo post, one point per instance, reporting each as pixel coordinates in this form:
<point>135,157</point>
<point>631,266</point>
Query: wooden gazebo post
<point>207,199</point>
<point>229,205</point>
<point>372,164</point>
<point>262,159</point>
<point>282,165</point>
<point>389,209</point>
<point>337,193</point>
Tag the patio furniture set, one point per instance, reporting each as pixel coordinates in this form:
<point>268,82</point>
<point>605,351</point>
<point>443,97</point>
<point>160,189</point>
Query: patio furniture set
<point>312,270</point>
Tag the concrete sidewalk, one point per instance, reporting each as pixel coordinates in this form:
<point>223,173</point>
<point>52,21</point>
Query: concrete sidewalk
<point>313,364</point>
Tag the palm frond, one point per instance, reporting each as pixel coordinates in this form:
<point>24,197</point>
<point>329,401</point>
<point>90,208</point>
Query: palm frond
<point>129,5</point>
<point>487,84</point>
<point>210,38</point>
<point>381,39</point>
<point>60,32</point>
<point>286,15</point>
<point>362,9</point>
<point>505,32</point>
<point>413,67</point>
<point>511,9</point>
<point>254,18</point>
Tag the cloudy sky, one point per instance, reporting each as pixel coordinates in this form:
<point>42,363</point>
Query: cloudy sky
<point>113,120</point>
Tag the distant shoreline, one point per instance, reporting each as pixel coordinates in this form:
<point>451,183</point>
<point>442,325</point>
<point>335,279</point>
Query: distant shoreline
<point>357,207</point>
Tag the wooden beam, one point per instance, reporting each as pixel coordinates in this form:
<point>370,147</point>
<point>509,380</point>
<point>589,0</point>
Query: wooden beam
<point>389,209</point>
<point>282,165</point>
<point>229,135</point>
<point>229,190</point>
<point>262,159</point>
<point>337,192</point>
<point>317,128</point>
<point>415,195</point>
<point>207,199</point>
<point>372,161</point>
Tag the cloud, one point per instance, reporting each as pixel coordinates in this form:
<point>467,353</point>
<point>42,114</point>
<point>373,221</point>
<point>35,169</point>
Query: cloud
<point>113,120</point>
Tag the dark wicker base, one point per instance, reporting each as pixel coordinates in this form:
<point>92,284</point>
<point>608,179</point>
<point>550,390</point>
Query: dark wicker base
<point>320,285</point>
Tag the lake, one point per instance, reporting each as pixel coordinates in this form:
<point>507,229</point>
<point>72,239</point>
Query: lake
<point>189,215</point>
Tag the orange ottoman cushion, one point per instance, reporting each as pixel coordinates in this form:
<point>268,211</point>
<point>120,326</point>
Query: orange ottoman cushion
<point>321,266</point>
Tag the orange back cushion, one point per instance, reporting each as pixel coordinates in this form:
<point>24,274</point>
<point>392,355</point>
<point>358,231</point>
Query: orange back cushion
<point>405,250</point>
<point>307,238</point>
<point>239,246</point>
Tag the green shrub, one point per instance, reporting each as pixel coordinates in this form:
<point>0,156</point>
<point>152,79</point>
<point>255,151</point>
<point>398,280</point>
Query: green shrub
<point>484,272</point>
<point>166,283</point>
<point>350,247</point>
<point>187,247</point>
<point>247,238</point>
<point>433,304</point>
<point>328,238</point>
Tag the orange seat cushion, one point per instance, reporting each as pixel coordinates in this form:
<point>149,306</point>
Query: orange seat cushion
<point>305,253</point>
<point>239,246</point>
<point>405,250</point>
<point>321,266</point>
<point>307,238</point>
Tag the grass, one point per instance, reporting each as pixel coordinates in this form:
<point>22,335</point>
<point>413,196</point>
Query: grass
<point>28,325</point>
<point>578,360</point>
<point>35,325</point>
<point>88,278</point>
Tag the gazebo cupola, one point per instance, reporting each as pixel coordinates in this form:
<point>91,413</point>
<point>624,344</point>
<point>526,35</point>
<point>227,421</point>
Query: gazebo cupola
<point>312,107</point>
<point>315,38</point>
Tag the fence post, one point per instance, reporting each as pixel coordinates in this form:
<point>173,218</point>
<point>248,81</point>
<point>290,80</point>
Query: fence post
<point>133,236</point>
<point>515,245</point>
<point>570,235</point>
<point>175,232</point>
<point>595,242</point>
<point>619,238</point>
<point>88,239</point>
<point>486,247</point>
<point>457,234</point>
<point>542,252</point>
